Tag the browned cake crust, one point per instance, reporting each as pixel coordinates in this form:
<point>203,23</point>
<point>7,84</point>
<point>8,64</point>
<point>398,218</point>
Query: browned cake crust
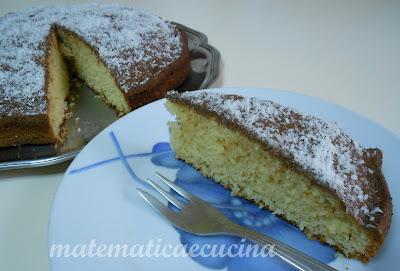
<point>169,78</point>
<point>26,130</point>
<point>382,197</point>
<point>373,184</point>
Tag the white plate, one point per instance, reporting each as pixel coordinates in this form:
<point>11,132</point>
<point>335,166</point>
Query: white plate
<point>97,199</point>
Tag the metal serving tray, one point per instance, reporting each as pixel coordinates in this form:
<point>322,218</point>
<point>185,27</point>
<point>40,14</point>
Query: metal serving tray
<point>90,115</point>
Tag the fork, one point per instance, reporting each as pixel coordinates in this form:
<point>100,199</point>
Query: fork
<point>199,217</point>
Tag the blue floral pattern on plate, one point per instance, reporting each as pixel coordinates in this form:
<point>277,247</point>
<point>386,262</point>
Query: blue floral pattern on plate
<point>239,210</point>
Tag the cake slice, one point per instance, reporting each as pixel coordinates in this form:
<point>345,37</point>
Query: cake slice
<point>128,56</point>
<point>308,171</point>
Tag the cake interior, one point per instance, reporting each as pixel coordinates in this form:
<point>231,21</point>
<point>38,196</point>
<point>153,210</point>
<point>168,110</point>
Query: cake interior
<point>91,69</point>
<point>67,53</point>
<point>57,87</point>
<point>243,165</point>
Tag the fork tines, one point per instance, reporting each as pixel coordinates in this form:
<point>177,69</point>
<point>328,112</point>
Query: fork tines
<point>156,204</point>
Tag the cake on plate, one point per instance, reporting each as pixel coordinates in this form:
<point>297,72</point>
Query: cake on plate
<point>308,171</point>
<point>127,56</point>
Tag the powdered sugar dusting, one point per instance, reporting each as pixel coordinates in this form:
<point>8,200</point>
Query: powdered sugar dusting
<point>126,38</point>
<point>319,148</point>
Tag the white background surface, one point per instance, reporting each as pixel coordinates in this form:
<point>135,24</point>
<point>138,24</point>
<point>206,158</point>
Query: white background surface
<point>346,52</point>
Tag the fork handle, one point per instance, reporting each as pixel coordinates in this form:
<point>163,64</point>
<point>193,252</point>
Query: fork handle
<point>288,254</point>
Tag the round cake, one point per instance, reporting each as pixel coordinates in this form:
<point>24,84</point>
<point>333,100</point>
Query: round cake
<point>126,55</point>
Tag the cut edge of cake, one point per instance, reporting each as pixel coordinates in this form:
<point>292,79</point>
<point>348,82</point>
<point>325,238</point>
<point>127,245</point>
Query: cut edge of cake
<point>57,86</point>
<point>205,139</point>
<point>83,58</point>
<point>87,66</point>
<point>43,128</point>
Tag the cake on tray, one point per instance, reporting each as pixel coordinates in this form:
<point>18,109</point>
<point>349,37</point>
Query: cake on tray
<point>127,56</point>
<point>308,171</point>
